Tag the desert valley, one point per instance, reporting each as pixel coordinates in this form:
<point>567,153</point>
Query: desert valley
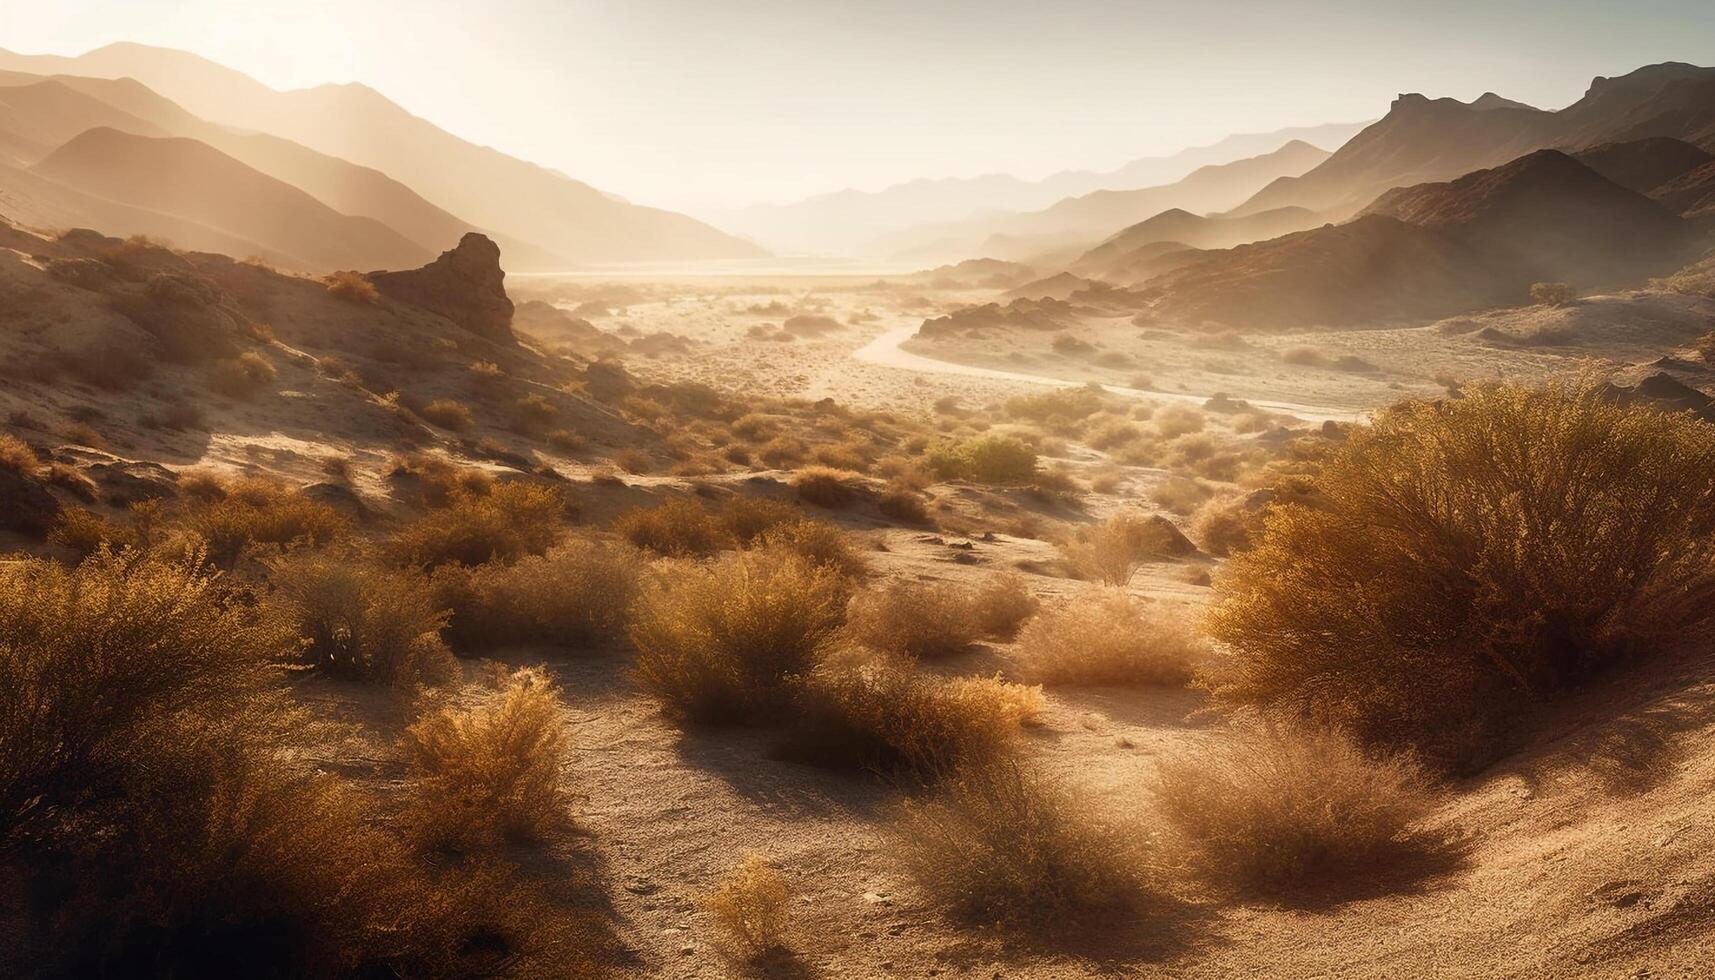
<point>1291,555</point>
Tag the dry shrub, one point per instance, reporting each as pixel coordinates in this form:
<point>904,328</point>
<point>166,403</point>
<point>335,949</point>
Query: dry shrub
<point>903,505</point>
<point>722,643</point>
<point>634,461</point>
<point>358,618</point>
<point>82,434</point>
<point>824,487</point>
<point>160,818</point>
<point>534,413</point>
<point>996,459</point>
<point>577,594</point>
<point>781,451</point>
<point>1180,495</point>
<point>999,845</point>
<point>1224,525</point>
<point>889,717</point>
<point>748,518</point>
<point>510,521</point>
<point>438,479</point>
<point>678,528</point>
<point>1107,637</point>
<point>248,512</point>
<point>1002,605</point>
<point>1178,420</point>
<point>1470,555</point>
<point>84,532</point>
<point>1019,704</point>
<point>243,376</point>
<point>754,427</point>
<point>448,414</point>
<point>914,619</point>
<point>1112,433</point>
<point>95,654</point>
<point>823,544</point>
<point>1111,551</point>
<point>353,287</point>
<point>489,772</point>
<point>752,905</point>
<point>1286,810</point>
<point>17,456</point>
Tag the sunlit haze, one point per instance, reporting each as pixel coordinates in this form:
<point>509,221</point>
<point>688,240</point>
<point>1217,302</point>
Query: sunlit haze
<point>698,105</point>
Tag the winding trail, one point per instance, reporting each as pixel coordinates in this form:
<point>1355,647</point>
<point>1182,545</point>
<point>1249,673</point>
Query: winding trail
<point>887,350</point>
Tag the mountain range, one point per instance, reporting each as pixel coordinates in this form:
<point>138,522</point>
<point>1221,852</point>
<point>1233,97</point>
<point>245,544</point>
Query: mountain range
<point>1422,139</point>
<point>854,222</point>
<point>1068,227</point>
<point>1436,249</point>
<point>347,146</point>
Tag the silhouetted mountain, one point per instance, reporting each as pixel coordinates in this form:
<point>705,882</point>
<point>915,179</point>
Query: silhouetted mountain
<point>1643,165</point>
<point>1423,139</point>
<point>194,181</point>
<point>1123,257</point>
<point>358,124</point>
<point>1436,249</point>
<point>1548,216</point>
<point>1691,194</point>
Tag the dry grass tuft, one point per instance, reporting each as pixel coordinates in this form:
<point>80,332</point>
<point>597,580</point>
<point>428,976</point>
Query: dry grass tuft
<point>1108,637</point>
<point>753,906</point>
<point>722,643</point>
<point>1002,605</point>
<point>449,414</point>
<point>679,528</point>
<point>999,845</point>
<point>489,772</point>
<point>1110,552</point>
<point>510,521</point>
<point>914,619</point>
<point>357,618</point>
<point>353,287</point>
<point>822,543</point>
<point>890,717</point>
<point>1466,555</point>
<point>232,516</point>
<point>825,487</point>
<point>577,594</point>
<point>1281,811</point>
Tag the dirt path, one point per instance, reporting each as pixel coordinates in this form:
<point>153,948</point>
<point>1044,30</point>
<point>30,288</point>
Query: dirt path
<point>887,350</point>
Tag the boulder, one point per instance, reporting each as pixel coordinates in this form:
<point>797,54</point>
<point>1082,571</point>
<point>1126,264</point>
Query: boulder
<point>466,285</point>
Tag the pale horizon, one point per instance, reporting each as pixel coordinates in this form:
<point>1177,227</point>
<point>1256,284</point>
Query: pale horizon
<point>705,108</point>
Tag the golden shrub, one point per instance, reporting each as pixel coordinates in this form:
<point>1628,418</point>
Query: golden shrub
<point>1107,637</point>
<point>508,522</point>
<point>358,618</point>
<point>723,642</point>
<point>678,528</point>
<point>888,716</point>
<point>999,844</point>
<point>753,905</point>
<point>491,771</point>
<point>1463,555</point>
<point>1287,810</point>
<point>914,619</point>
<point>576,594</point>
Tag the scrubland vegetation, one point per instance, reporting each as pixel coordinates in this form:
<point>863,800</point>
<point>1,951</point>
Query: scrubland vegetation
<point>916,607</point>
<point>1465,557</point>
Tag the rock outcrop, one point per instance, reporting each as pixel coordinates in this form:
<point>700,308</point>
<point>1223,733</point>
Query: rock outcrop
<point>466,285</point>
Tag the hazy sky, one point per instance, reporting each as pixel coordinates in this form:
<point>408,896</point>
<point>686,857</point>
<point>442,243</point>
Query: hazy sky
<point>697,103</point>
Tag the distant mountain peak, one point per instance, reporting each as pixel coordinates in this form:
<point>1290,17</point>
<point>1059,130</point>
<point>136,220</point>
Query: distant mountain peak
<point>1489,100</point>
